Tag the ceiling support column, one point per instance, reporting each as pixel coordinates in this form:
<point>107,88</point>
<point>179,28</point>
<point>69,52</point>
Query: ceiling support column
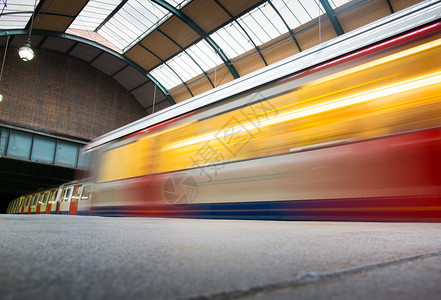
<point>331,14</point>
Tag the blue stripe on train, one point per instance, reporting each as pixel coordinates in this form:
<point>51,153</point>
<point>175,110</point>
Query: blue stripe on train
<point>301,210</point>
<point>269,210</point>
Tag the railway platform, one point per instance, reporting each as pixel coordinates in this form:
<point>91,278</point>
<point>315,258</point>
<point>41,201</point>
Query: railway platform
<point>78,257</point>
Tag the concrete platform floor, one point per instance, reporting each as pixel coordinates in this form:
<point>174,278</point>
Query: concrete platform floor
<point>73,257</point>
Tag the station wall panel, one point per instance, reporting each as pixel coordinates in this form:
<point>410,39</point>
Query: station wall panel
<point>63,96</point>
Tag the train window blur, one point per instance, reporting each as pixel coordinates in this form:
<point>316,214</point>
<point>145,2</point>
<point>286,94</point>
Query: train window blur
<point>86,193</point>
<point>36,197</point>
<point>45,196</point>
<point>66,194</point>
<point>52,197</point>
<point>76,194</point>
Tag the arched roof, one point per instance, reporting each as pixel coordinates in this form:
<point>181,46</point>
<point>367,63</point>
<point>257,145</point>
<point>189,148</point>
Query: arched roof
<point>166,51</point>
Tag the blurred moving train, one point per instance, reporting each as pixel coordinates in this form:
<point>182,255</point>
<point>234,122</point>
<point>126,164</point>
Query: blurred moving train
<point>349,130</point>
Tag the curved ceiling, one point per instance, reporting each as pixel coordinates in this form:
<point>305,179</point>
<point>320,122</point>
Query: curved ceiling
<point>166,51</point>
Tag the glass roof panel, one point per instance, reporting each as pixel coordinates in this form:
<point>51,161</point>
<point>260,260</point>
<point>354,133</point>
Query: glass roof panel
<point>93,14</point>
<point>132,22</point>
<point>129,24</point>
<point>312,8</point>
<point>16,14</point>
<point>135,19</point>
<point>184,66</point>
<point>113,33</point>
<point>286,9</point>
<point>260,24</point>
<point>251,25</point>
<point>274,24</point>
<point>232,40</point>
<point>166,76</point>
<point>204,55</point>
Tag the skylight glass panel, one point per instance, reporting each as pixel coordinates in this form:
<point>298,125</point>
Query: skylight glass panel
<point>14,21</point>
<point>312,7</point>
<point>184,66</point>
<point>16,14</point>
<point>113,33</point>
<point>232,40</point>
<point>273,23</point>
<point>166,76</point>
<point>261,24</point>
<point>204,55</point>
<point>132,22</point>
<point>286,9</point>
<point>93,14</point>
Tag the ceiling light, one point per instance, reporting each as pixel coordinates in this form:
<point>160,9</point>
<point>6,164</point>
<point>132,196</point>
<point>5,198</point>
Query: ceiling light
<point>25,52</point>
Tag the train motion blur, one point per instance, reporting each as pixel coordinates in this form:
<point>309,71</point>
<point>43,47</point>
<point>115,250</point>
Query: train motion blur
<point>339,132</point>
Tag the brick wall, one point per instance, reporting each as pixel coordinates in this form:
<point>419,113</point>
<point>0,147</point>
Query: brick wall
<point>63,95</point>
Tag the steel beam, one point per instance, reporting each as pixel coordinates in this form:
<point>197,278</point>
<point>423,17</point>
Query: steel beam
<point>286,24</point>
<point>202,33</point>
<point>332,16</point>
<point>111,15</point>
<point>244,31</point>
<point>390,6</point>
<point>31,146</point>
